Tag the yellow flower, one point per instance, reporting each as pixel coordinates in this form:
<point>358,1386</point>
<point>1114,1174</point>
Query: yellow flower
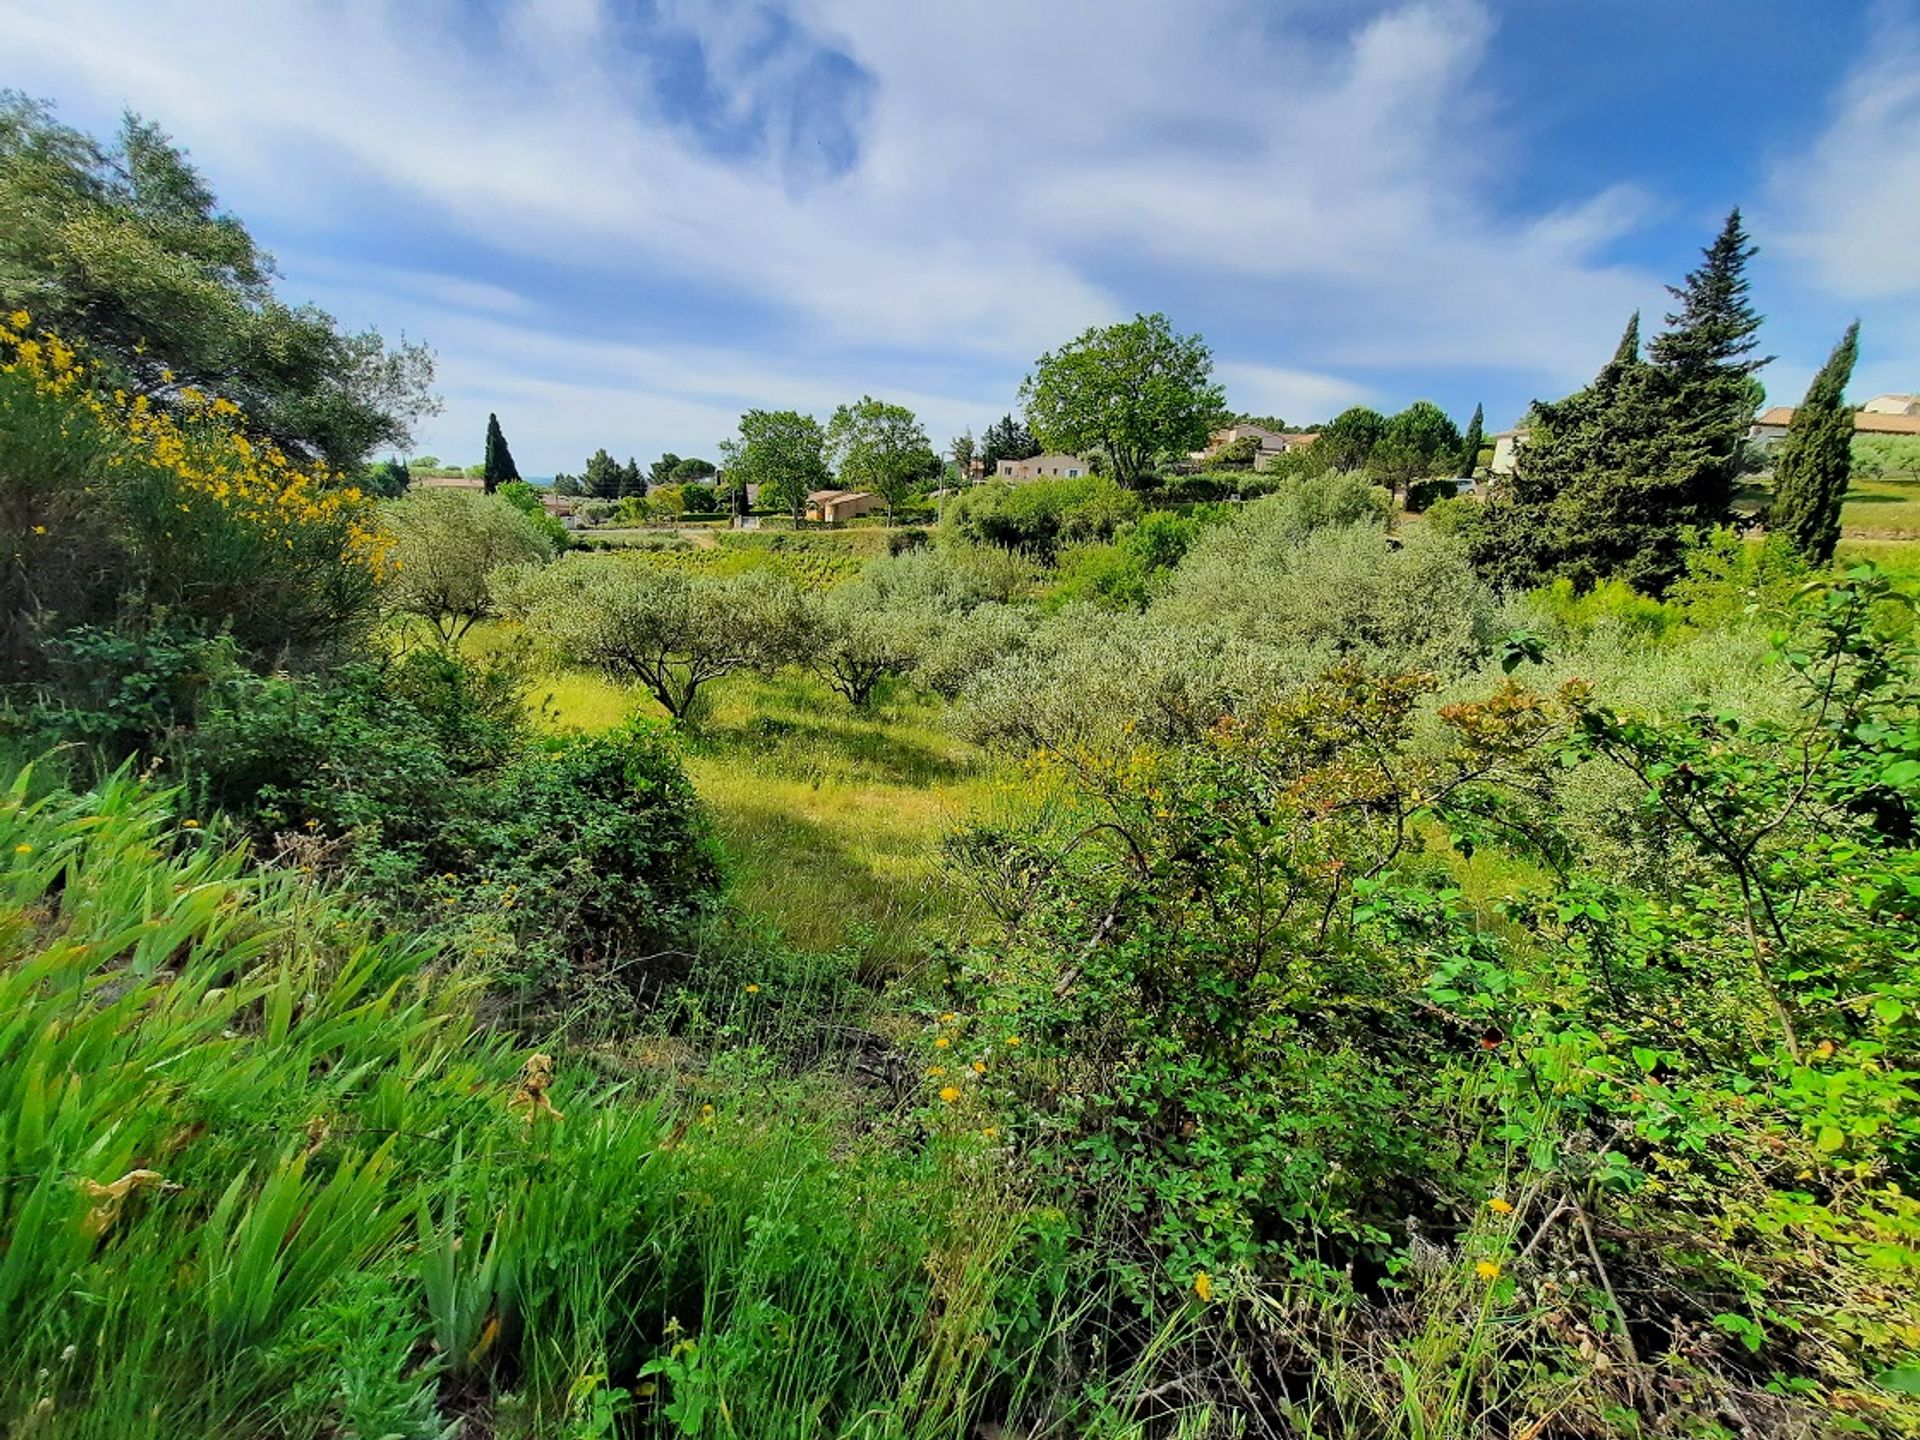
<point>706,1112</point>
<point>950,1094</point>
<point>1499,1206</point>
<point>39,529</point>
<point>23,849</point>
<point>189,824</point>
<point>752,989</point>
<point>1203,1286</point>
<point>942,1043</point>
<point>1013,1039</point>
<point>936,1071</point>
<point>948,1018</point>
<point>989,1132</point>
<point>979,1067</point>
<point>1487,1270</point>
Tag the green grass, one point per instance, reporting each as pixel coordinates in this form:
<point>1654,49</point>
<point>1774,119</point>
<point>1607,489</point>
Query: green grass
<point>265,1175</point>
<point>832,818</point>
<point>1884,508</point>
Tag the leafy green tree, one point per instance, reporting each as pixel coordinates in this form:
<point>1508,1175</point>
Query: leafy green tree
<point>856,640</point>
<point>498,468</point>
<point>661,471</point>
<point>524,498</point>
<point>781,451</point>
<point>668,631</point>
<point>1006,439</point>
<point>124,246</point>
<point>693,468</point>
<point>1348,440</point>
<point>1707,353</point>
<point>446,543</point>
<point>565,484</point>
<point>962,451</point>
<point>879,447</point>
<point>1134,392</point>
<point>1475,438</point>
<point>424,464</point>
<point>1810,476</point>
<point>1420,441</point>
<point>387,478</point>
<point>603,476</point>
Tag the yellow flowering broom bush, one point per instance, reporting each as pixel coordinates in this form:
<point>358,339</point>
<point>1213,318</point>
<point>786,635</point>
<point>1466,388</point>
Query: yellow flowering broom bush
<point>108,499</point>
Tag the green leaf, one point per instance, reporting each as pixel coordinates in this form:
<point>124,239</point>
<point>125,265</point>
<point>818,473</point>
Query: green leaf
<point>1646,1059</point>
<point>1887,1009</point>
<point>1901,1379</point>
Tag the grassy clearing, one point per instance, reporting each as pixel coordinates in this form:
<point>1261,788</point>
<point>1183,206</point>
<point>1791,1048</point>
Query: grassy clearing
<point>832,817</point>
<point>1883,507</point>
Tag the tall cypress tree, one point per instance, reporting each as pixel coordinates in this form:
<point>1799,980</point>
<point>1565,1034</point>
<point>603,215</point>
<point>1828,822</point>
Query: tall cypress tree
<point>1476,436</point>
<point>1707,353</point>
<point>498,468</point>
<point>1810,475</point>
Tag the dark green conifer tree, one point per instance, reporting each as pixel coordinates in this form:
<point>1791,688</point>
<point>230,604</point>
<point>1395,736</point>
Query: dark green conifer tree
<point>498,468</point>
<point>633,480</point>
<point>602,476</point>
<point>1707,354</point>
<point>1815,460</point>
<point>1476,436</point>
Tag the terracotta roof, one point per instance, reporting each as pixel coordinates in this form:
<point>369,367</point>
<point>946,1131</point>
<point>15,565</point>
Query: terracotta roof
<point>1864,422</point>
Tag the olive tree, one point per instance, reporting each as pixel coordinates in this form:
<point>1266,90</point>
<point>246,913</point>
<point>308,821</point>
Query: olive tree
<point>668,631</point>
<point>857,639</point>
<point>446,543</point>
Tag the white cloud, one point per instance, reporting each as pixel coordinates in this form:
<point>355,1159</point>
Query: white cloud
<point>1847,208</point>
<point>1299,397</point>
<point>1012,159</point>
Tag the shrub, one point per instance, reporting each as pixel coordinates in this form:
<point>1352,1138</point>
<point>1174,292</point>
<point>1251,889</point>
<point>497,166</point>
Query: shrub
<point>112,502</point>
<point>447,542</point>
<point>1037,517</point>
<point>524,498</point>
<point>1422,495</point>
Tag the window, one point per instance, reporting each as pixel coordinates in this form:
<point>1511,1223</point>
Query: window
<point>1073,474</point>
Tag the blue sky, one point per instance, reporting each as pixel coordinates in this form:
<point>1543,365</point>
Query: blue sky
<point>620,222</point>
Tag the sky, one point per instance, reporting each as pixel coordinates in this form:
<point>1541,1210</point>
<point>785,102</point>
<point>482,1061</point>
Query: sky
<point>620,223</point>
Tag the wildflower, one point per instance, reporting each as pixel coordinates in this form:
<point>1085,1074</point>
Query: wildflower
<point>1487,1270</point>
<point>39,529</point>
<point>936,1071</point>
<point>23,849</point>
<point>950,1093</point>
<point>1203,1286</point>
<point>189,824</point>
<point>979,1067</point>
<point>989,1132</point>
<point>752,989</point>
<point>1013,1039</point>
<point>706,1112</point>
<point>942,1043</point>
<point>1499,1206</point>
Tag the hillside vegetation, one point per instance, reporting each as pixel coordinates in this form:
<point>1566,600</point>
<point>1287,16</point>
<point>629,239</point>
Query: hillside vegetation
<point>1114,964</point>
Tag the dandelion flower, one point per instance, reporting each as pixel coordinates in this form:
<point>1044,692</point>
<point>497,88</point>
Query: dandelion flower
<point>23,849</point>
<point>1203,1286</point>
<point>989,1132</point>
<point>1013,1039</point>
<point>936,1071</point>
<point>950,1093</point>
<point>189,824</point>
<point>979,1067</point>
<point>1499,1206</point>
<point>942,1043</point>
<point>1487,1270</point>
<point>752,989</point>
